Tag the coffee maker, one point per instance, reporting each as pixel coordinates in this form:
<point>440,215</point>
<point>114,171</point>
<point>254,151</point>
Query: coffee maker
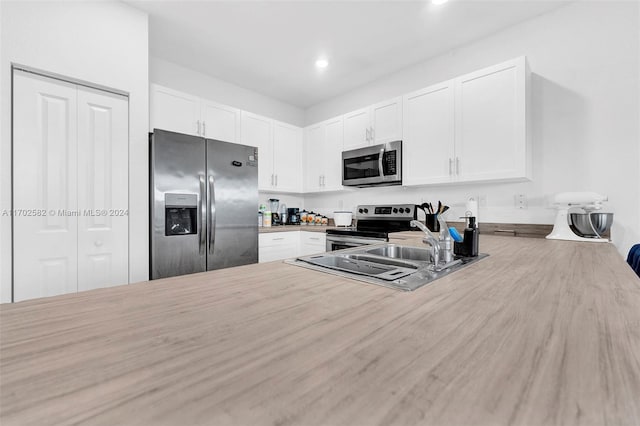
<point>274,204</point>
<point>293,216</point>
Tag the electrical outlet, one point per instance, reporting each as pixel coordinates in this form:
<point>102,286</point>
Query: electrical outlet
<point>521,201</point>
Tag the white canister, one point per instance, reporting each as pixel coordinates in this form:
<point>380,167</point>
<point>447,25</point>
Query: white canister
<point>342,218</point>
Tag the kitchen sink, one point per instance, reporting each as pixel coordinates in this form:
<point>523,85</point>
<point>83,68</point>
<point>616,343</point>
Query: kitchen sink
<point>395,251</point>
<point>395,266</point>
<point>363,265</point>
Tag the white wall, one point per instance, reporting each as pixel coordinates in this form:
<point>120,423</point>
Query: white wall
<point>178,77</point>
<point>105,43</point>
<point>584,58</point>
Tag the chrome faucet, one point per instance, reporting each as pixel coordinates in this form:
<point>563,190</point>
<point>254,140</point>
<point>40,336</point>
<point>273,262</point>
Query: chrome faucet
<point>429,239</point>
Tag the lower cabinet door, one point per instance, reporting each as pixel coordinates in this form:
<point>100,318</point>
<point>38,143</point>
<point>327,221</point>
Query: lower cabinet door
<point>278,245</point>
<point>312,243</point>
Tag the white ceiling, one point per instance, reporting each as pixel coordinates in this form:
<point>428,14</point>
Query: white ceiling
<point>271,46</point>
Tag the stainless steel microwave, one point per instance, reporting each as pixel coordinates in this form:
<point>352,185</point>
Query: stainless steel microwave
<point>377,165</point>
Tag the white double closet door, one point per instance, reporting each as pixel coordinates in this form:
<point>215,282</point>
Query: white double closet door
<point>70,187</point>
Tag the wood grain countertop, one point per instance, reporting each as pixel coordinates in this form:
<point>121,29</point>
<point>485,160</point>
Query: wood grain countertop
<point>539,333</point>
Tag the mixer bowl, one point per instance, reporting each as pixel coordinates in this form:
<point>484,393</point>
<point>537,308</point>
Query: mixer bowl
<point>591,225</point>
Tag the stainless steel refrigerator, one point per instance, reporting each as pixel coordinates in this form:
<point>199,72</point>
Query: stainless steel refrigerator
<point>203,204</point>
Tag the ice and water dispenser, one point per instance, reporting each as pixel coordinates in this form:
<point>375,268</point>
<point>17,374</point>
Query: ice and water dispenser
<point>181,214</point>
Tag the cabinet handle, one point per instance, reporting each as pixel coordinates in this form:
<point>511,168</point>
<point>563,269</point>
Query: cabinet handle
<point>372,133</point>
<point>366,134</point>
<point>278,239</point>
<point>457,166</point>
<point>320,180</point>
<point>198,129</point>
<point>276,180</point>
<point>450,166</point>
<point>204,129</point>
<point>271,179</point>
<point>324,180</point>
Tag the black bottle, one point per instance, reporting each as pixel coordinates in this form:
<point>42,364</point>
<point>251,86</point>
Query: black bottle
<point>469,245</point>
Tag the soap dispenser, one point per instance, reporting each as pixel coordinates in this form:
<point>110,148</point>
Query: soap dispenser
<point>469,245</point>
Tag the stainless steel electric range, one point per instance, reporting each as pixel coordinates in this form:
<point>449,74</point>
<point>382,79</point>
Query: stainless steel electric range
<point>373,225</point>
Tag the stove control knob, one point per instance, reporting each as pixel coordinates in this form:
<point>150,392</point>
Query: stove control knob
<point>401,210</point>
<point>360,211</point>
<point>395,210</point>
<point>366,210</point>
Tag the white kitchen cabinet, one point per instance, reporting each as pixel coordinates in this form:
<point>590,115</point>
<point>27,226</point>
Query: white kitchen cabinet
<point>279,152</point>
<point>278,245</point>
<point>70,176</point>
<point>376,124</point>
<point>313,154</point>
<point>428,145</point>
<point>174,111</point>
<point>323,156</point>
<point>256,131</point>
<point>469,129</point>
<point>289,244</point>
<point>287,157</point>
<point>357,129</point>
<point>491,123</point>
<point>220,122</point>
<point>312,243</point>
<point>184,113</point>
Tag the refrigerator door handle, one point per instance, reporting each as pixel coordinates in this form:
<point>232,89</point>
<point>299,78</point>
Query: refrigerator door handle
<point>212,214</point>
<point>203,214</point>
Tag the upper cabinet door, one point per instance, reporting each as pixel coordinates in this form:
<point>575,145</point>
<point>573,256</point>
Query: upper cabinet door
<point>386,121</point>
<point>357,130</point>
<point>256,131</point>
<point>491,136</point>
<point>287,157</point>
<point>313,157</point>
<point>45,250</point>
<point>332,154</point>
<point>220,122</point>
<point>103,161</point>
<point>175,111</point>
<point>428,145</point>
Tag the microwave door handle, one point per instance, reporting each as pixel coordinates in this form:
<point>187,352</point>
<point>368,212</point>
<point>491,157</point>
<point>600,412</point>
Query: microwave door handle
<point>380,162</point>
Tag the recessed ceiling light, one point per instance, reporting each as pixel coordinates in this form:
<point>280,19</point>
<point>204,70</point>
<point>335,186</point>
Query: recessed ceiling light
<point>322,63</point>
<point>438,2</point>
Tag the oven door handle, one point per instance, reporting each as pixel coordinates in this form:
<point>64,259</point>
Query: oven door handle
<point>380,162</point>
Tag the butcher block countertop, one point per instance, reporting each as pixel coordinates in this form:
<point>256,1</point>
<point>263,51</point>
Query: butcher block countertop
<point>539,333</point>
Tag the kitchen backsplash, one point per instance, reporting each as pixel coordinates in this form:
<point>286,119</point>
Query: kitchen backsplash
<point>496,202</point>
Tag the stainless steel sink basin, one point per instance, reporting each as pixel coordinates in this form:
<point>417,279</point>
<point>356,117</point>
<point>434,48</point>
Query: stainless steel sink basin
<point>402,252</point>
<point>391,265</point>
<point>363,265</point>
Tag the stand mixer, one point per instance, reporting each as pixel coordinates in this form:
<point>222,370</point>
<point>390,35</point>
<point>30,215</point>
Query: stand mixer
<point>584,223</point>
